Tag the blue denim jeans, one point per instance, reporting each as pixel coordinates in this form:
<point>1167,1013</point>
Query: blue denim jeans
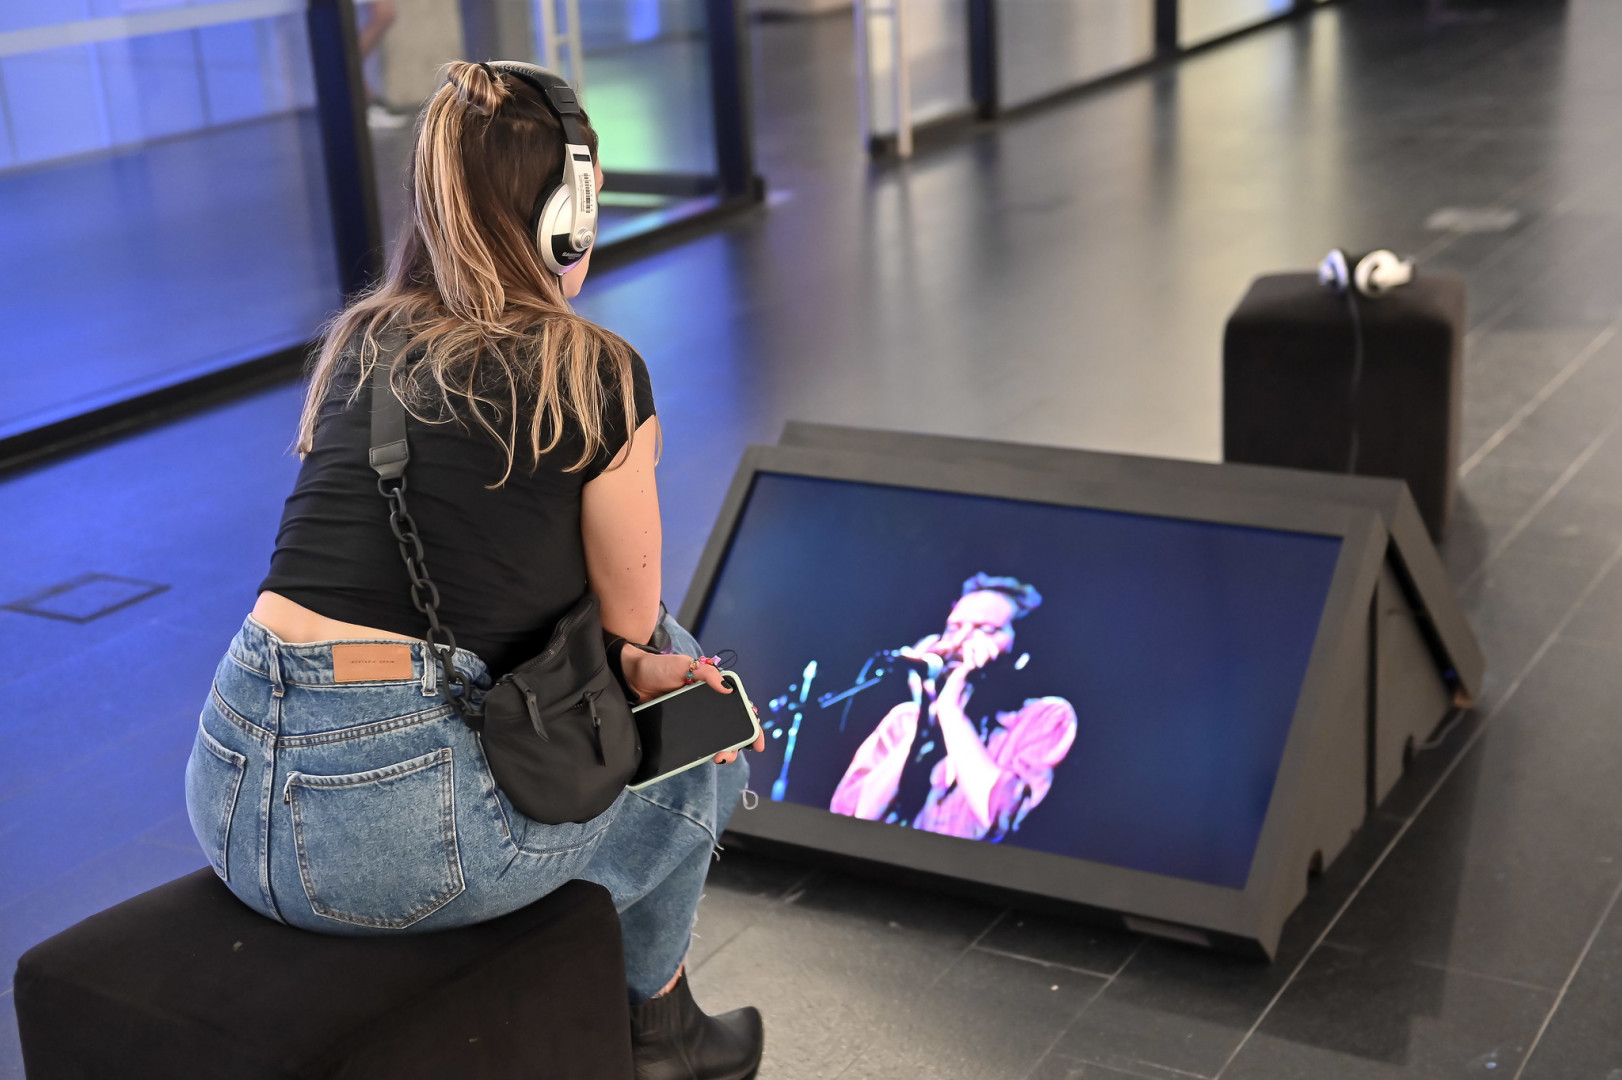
<point>369,808</point>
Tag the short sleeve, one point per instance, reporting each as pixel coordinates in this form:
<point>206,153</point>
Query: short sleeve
<point>1026,746</point>
<point>615,436</point>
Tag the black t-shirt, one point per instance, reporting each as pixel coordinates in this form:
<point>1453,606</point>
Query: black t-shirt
<point>509,561</point>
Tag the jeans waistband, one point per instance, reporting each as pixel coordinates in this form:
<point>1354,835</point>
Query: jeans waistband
<point>310,664</point>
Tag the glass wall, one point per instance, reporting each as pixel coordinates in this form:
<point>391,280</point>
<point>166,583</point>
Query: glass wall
<point>1047,46</point>
<point>1199,21</point>
<point>642,69</point>
<point>163,208</point>
<point>935,37</point>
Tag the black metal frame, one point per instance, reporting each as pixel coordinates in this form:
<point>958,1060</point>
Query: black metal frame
<point>727,21</point>
<point>985,78</point>
<point>357,223</point>
<point>340,92</point>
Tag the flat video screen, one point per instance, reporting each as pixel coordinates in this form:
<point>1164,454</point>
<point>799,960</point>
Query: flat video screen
<point>1088,683</point>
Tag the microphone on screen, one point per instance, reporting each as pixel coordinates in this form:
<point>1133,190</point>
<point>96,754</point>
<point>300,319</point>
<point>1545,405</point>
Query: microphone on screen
<point>931,663</point>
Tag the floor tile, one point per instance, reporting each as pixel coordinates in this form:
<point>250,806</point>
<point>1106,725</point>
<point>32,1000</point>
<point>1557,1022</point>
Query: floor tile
<point>11,1051</point>
<point>42,736</point>
<point>741,889</point>
<point>1352,1016</point>
<point>173,832</point>
<point>1505,488</point>
<point>1513,606</point>
<point>1583,1038</point>
<point>987,1018</point>
<point>98,883</point>
<point>93,806</point>
<point>1571,531</point>
<point>1060,1067</point>
<point>1493,878</point>
<point>1070,943</point>
<point>1503,369</point>
<point>1471,536</point>
<point>1177,1009</point>
<point>1599,618</point>
<point>831,968</point>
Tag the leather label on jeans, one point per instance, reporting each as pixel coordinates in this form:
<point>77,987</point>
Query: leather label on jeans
<point>370,662</point>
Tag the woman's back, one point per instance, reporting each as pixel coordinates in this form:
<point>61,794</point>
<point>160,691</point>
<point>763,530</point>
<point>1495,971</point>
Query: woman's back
<point>508,560</point>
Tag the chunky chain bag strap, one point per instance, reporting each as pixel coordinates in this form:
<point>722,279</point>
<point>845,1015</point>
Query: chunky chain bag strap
<point>557,730</point>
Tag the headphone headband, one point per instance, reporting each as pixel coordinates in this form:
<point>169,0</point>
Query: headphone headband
<point>559,96</point>
<point>563,221</point>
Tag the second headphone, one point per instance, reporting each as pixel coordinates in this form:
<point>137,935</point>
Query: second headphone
<point>563,221</point>
<point>1373,275</point>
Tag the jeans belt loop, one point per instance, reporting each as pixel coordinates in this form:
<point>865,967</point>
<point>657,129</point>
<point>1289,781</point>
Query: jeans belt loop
<point>275,666</point>
<point>430,672</point>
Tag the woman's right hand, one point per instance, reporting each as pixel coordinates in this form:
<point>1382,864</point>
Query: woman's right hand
<point>651,674</point>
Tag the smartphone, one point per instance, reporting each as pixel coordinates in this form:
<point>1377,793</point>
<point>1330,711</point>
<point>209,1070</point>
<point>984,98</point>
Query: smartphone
<point>688,727</point>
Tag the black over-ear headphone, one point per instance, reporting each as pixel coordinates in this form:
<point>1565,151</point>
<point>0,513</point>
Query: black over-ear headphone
<point>563,221</point>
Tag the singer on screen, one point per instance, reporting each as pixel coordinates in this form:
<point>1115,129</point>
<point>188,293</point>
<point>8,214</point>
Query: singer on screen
<point>949,773</point>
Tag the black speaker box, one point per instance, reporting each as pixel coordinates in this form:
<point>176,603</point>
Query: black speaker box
<point>1289,399</point>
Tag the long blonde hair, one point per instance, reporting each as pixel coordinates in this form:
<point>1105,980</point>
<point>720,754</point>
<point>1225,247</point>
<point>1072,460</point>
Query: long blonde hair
<point>466,293</point>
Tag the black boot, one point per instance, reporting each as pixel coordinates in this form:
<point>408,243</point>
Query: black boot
<point>672,1040</point>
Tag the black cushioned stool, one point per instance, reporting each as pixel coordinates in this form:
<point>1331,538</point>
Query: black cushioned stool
<point>186,982</point>
<point>1287,375</point>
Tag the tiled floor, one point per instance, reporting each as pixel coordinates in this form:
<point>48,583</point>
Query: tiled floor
<point>1060,279</point>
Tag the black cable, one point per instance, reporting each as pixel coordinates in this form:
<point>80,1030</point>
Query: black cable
<point>1352,395</point>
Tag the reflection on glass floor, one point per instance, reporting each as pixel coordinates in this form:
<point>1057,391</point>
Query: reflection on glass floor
<point>128,271</point>
<point>628,216</point>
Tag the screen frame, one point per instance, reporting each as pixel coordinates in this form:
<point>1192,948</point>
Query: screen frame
<point>1288,834</point>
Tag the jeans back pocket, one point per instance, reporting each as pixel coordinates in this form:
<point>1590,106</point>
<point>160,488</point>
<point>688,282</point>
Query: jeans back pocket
<point>378,848</point>
<point>213,782</point>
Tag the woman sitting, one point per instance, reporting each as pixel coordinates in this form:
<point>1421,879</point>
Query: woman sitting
<point>332,784</point>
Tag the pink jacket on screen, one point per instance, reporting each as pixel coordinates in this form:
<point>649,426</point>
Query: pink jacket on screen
<point>1026,745</point>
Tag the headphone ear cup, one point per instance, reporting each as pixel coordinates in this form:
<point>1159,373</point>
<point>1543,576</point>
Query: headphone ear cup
<point>1381,271</point>
<point>552,237</point>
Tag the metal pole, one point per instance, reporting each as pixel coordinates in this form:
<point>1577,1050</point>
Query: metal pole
<point>340,92</point>
<point>864,81</point>
<point>481,39</point>
<point>901,79</point>
<point>983,72</point>
<point>577,56</point>
<point>1166,28</point>
<point>546,18</point>
<point>731,99</point>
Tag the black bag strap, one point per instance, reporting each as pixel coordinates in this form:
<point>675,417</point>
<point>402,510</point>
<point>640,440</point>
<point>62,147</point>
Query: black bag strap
<point>389,455</point>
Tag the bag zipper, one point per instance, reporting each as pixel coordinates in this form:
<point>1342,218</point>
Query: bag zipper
<point>560,636</point>
<point>532,705</point>
<point>596,725</point>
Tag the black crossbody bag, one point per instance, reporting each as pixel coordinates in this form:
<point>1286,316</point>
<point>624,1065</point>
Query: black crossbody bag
<point>557,730</point>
